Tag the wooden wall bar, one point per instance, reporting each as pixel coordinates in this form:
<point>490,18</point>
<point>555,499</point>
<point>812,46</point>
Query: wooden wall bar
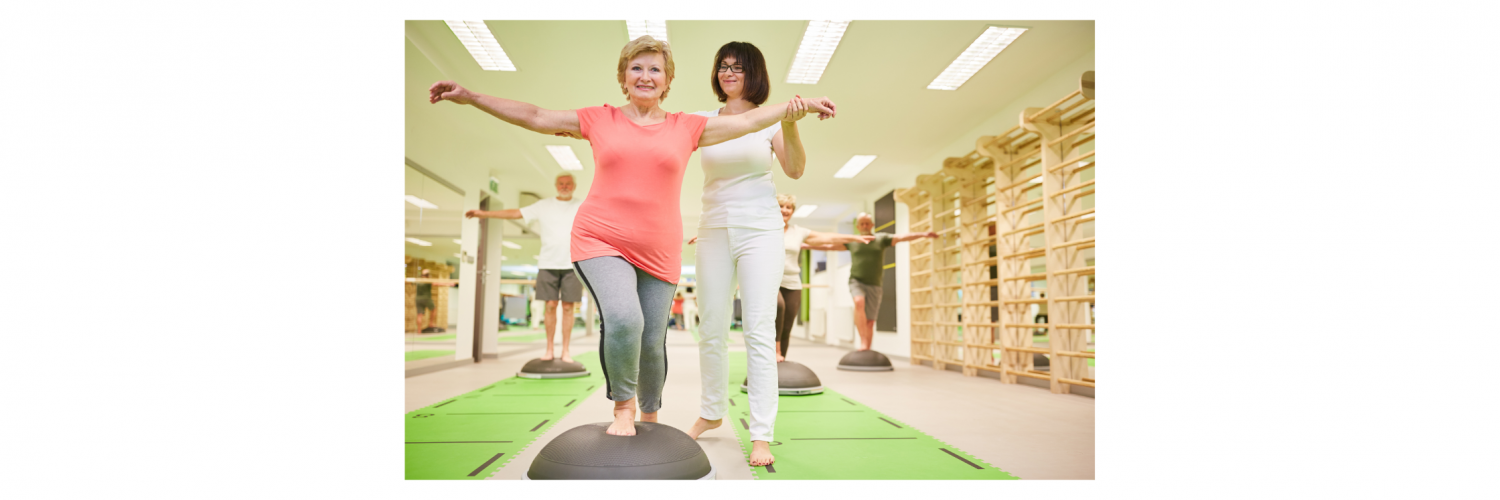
<point>1014,202</point>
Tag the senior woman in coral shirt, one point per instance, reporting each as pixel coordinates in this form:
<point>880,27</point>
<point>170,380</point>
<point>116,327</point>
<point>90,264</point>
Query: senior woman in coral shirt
<point>627,236</point>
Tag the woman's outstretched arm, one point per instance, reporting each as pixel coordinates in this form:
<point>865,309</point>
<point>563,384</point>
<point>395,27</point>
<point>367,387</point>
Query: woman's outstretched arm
<point>527,116</point>
<point>724,128</point>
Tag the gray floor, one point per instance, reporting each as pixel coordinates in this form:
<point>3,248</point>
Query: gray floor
<point>1021,429</point>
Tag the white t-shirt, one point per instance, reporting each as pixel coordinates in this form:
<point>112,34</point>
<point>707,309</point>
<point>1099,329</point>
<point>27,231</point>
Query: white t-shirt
<point>554,221</point>
<point>791,277</point>
<point>737,186</point>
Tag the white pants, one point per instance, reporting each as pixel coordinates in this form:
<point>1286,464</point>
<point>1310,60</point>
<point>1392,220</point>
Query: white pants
<point>755,257</point>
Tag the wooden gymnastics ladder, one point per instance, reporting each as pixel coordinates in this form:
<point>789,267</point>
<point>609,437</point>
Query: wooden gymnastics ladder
<point>1017,198</point>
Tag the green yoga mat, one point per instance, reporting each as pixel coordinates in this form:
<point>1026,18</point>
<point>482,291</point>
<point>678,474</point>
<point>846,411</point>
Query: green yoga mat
<point>507,339</point>
<point>472,435</point>
<point>416,355</point>
<point>831,436</point>
<point>523,339</point>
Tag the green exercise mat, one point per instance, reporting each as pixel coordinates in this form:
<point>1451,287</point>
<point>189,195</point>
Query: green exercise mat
<point>831,436</point>
<point>474,434</point>
<point>416,355</point>
<point>523,339</point>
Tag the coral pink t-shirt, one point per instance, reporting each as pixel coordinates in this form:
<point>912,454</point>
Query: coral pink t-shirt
<point>633,208</point>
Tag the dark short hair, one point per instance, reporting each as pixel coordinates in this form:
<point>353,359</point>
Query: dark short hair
<point>757,82</point>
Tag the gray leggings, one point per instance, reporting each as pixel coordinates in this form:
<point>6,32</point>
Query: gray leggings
<point>634,307</point>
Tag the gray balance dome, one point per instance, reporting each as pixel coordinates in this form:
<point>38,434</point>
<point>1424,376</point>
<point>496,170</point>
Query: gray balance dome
<point>552,368</point>
<point>866,361</point>
<point>794,379</point>
<point>656,451</point>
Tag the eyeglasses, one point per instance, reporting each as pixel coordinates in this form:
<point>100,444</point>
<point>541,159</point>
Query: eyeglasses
<point>736,69</point>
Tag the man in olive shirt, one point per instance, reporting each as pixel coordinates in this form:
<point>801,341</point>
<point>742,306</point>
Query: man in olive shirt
<point>864,276</point>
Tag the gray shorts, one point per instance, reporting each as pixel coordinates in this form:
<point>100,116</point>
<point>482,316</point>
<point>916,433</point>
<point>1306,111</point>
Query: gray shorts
<point>558,284</point>
<point>871,294</point>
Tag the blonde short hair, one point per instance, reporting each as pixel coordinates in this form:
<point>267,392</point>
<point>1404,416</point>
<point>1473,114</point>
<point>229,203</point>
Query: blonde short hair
<point>640,46</point>
<point>786,199</point>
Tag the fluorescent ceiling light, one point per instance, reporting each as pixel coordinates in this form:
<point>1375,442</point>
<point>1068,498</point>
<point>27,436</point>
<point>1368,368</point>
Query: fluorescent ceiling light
<point>804,211</point>
<point>854,166</point>
<point>986,47</point>
<point>419,242</point>
<point>957,212</point>
<point>565,157</point>
<point>1037,180</point>
<point>458,241</point>
<point>818,44</point>
<point>637,29</point>
<point>511,245</point>
<point>482,45</point>
<point>420,202</point>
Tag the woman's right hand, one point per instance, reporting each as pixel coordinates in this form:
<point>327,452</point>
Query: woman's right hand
<point>449,91</point>
<point>694,240</point>
<point>795,110</point>
<point>471,214</point>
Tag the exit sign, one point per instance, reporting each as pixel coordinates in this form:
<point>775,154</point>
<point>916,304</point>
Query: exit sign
<point>494,185</point>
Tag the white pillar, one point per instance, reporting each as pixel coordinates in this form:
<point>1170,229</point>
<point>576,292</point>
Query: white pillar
<point>468,280</point>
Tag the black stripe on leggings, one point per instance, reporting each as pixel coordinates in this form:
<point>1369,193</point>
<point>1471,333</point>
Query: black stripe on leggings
<point>602,366</point>
<point>955,455</point>
<point>538,426</point>
<point>486,464</point>
<point>889,422</point>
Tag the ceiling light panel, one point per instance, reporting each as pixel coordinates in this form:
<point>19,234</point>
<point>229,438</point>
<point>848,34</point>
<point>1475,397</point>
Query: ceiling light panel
<point>565,157</point>
<point>419,242</point>
<point>657,29</point>
<point>510,244</point>
<point>855,165</point>
<point>986,47</point>
<point>804,211</point>
<point>818,44</point>
<point>482,45</point>
<point>420,202</point>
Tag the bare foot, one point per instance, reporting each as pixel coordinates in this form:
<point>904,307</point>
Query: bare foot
<point>702,425</point>
<point>547,356</point>
<point>566,358</point>
<point>624,424</point>
<point>760,454</point>
<point>648,417</point>
<point>780,358</point>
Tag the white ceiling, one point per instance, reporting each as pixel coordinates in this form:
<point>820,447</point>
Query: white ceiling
<point>878,78</point>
